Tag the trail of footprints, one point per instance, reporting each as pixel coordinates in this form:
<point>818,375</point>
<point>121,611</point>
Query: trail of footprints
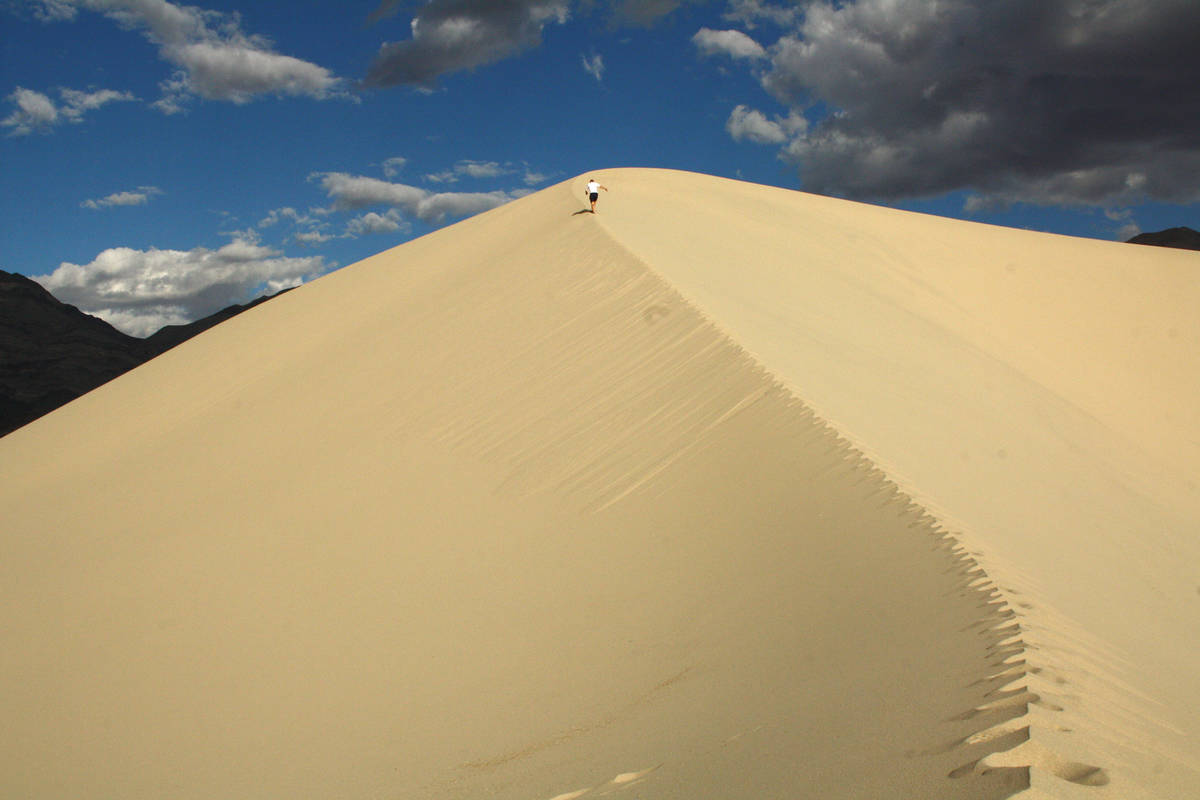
<point>1011,700</point>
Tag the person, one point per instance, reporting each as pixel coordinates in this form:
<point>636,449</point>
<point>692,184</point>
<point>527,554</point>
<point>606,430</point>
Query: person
<point>593,192</point>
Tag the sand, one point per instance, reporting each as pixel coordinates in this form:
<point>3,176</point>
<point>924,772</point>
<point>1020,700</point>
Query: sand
<point>725,491</point>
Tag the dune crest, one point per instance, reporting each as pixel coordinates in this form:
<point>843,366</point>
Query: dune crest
<point>1035,392</point>
<point>520,509</point>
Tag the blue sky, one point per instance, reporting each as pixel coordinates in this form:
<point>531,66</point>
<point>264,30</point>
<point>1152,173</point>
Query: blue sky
<point>163,160</point>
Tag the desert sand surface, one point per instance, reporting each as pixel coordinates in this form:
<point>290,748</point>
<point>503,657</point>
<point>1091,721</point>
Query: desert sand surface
<point>724,491</point>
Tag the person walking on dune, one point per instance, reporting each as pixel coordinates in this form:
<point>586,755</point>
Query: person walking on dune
<point>593,192</point>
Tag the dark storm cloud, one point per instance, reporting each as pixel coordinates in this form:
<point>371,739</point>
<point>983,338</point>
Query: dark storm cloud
<point>453,35</point>
<point>1049,101</point>
<point>644,12</point>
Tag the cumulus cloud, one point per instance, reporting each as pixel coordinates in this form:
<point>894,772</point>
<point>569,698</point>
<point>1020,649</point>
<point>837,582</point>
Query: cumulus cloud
<point>734,44</point>
<point>470,169</point>
<point>453,35</point>
<point>139,291</point>
<point>373,222</point>
<point>310,238</point>
<point>131,198</point>
<point>745,123</point>
<point>36,112</point>
<point>1127,225</point>
<point>307,228</point>
<point>214,58</point>
<point>751,12</point>
<point>1042,101</point>
<point>533,178</point>
<point>353,192</point>
<point>594,66</point>
<point>54,10</point>
<point>392,166</point>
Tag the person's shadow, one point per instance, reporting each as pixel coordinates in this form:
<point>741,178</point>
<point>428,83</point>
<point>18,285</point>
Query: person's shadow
<point>583,211</point>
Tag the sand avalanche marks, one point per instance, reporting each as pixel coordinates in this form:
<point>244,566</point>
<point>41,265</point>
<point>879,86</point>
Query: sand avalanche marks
<point>570,795</point>
<point>631,777</point>
<point>622,781</point>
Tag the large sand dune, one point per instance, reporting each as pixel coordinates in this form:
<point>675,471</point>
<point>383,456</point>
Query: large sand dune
<point>723,492</point>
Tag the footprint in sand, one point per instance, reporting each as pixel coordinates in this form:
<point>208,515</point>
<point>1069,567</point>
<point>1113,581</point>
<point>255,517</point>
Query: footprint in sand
<point>654,313</point>
<point>1082,774</point>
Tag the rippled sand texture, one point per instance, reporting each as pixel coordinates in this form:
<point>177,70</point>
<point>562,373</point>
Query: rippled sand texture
<point>521,510</point>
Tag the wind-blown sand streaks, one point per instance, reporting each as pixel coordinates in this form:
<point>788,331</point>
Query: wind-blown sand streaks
<point>508,511</point>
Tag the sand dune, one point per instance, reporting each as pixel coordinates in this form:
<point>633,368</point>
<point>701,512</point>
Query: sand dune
<point>725,491</point>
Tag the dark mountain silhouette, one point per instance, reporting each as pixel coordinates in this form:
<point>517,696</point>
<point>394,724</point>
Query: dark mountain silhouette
<point>51,352</point>
<point>1182,238</point>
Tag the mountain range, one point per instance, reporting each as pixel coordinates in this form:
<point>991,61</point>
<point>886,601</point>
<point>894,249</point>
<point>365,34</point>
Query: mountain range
<point>51,352</point>
<point>1182,238</point>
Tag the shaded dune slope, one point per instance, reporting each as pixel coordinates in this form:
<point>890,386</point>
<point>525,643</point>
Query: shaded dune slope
<point>1036,393</point>
<point>499,512</point>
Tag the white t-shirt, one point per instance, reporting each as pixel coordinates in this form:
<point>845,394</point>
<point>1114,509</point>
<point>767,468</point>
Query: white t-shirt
<point>593,187</point>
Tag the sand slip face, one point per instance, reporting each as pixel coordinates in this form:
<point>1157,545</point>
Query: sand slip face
<point>495,513</point>
<point>1038,393</point>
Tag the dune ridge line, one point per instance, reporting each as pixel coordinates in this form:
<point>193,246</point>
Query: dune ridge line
<point>978,338</point>
<point>516,507</point>
<point>1011,692</point>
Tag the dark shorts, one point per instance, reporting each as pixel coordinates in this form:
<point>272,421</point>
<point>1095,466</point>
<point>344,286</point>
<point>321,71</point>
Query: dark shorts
<point>593,196</point>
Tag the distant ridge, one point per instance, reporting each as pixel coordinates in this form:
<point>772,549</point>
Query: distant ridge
<point>1181,238</point>
<point>51,352</point>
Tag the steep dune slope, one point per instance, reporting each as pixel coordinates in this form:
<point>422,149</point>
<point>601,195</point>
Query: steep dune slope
<point>516,510</point>
<point>1038,393</point>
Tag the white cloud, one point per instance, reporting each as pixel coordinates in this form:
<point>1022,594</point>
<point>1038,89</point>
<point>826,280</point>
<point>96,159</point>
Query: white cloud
<point>439,206</point>
<point>309,238</point>
<point>1128,231</point>
<point>239,70</point>
<point>445,176</point>
<point>373,222</point>
<point>350,192</point>
<point>307,228</point>
<point>471,169</point>
<point>594,66</point>
<point>358,191</point>
<point>734,44</point>
<point>1128,226</point>
<point>216,60</point>
<point>54,10</point>
<point>132,198</point>
<point>392,166</point>
<point>745,123</point>
<point>748,12</point>
<point>139,291</point>
<point>76,102</point>
<point>275,215</point>
<point>480,169</point>
<point>37,112</point>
